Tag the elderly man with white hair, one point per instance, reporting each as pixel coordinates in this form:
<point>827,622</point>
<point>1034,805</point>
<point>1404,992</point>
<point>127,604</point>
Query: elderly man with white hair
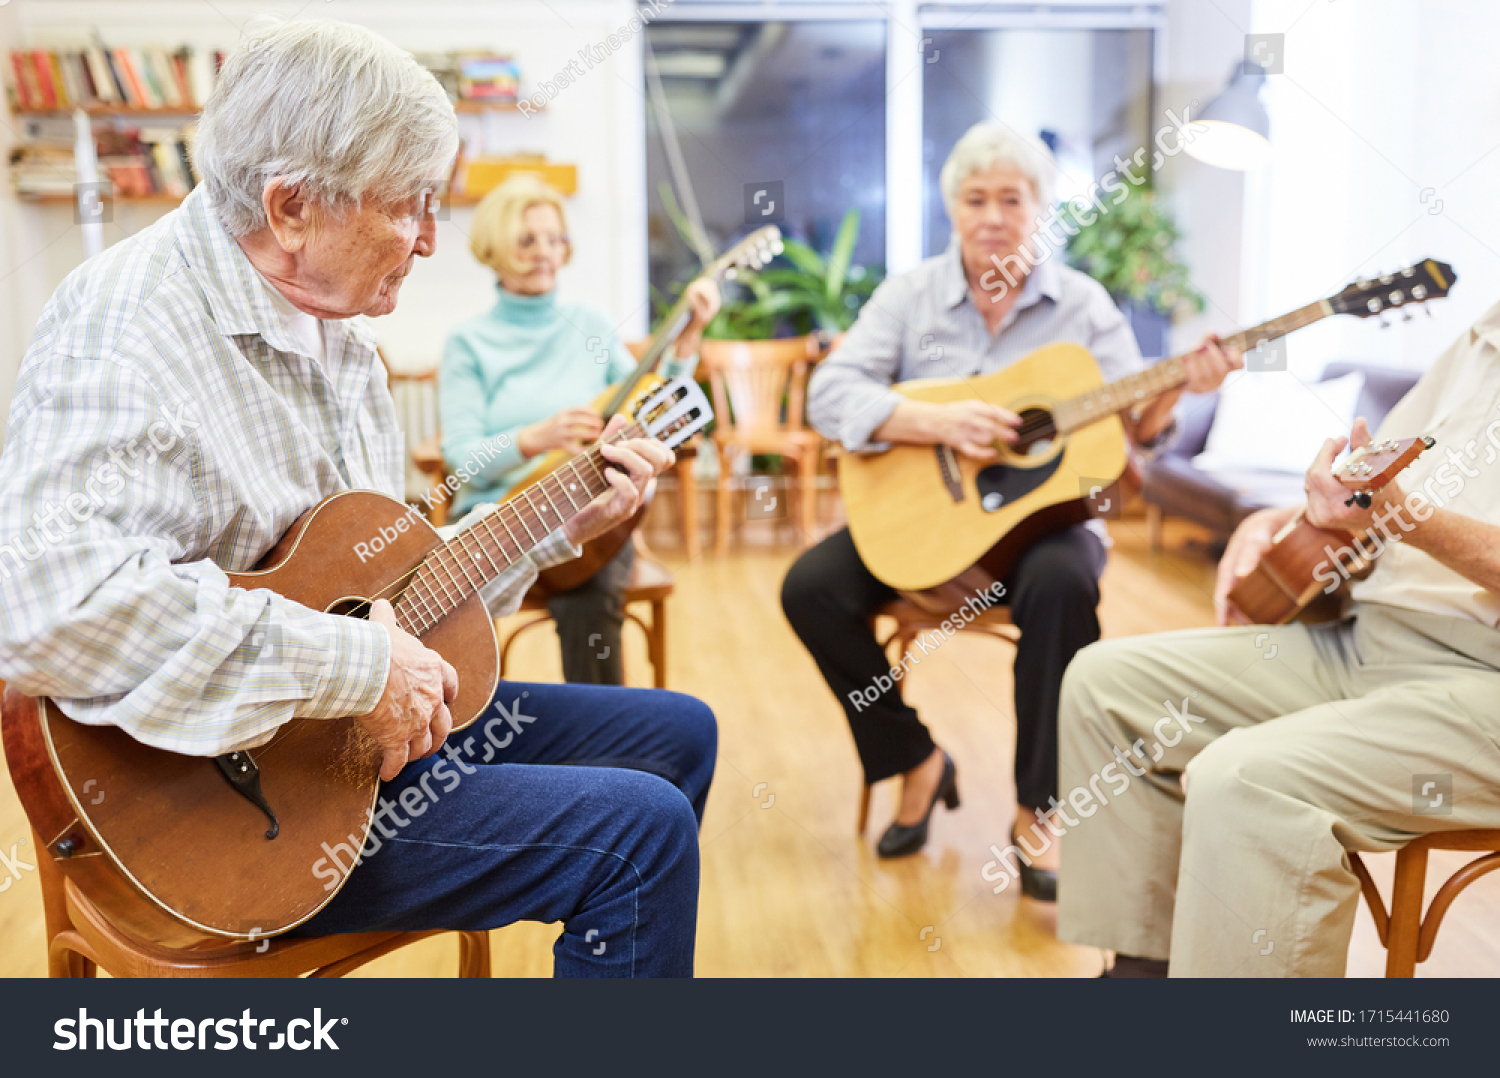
<point>189,394</point>
<point>991,298</point>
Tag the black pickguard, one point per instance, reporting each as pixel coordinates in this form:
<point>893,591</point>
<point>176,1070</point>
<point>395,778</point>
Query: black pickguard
<point>1000,485</point>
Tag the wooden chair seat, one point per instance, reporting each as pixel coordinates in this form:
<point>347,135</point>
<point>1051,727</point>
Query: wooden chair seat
<point>81,940</point>
<point>1407,935</point>
<point>649,582</point>
<point>912,621</point>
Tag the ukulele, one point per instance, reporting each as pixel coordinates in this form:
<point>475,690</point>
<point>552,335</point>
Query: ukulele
<point>184,849</point>
<point>1304,560</point>
<point>752,252</point>
<point>936,526</point>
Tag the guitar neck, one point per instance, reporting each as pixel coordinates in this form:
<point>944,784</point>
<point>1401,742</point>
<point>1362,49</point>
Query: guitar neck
<point>665,334</point>
<point>457,569</point>
<point>1170,374</point>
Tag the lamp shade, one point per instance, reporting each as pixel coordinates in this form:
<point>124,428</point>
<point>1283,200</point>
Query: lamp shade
<point>1235,128</point>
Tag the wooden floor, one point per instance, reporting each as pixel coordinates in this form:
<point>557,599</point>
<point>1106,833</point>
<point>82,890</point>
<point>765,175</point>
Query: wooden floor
<point>787,888</point>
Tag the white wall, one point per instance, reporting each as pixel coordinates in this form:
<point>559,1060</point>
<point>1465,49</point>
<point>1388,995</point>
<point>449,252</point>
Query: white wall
<point>597,124</point>
<point>1387,112</point>
<point>1202,41</point>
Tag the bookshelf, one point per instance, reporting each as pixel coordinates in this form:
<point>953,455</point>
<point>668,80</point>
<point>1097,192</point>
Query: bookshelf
<point>107,111</point>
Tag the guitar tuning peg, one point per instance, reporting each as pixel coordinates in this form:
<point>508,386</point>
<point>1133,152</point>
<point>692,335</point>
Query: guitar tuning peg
<point>1428,310</point>
<point>731,273</point>
<point>1385,322</point>
<point>1406,314</point>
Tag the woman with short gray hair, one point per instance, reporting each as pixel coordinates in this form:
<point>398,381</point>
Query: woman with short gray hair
<point>989,300</point>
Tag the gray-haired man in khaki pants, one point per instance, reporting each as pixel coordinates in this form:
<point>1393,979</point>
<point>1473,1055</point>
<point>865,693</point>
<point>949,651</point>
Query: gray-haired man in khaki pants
<point>1217,777</point>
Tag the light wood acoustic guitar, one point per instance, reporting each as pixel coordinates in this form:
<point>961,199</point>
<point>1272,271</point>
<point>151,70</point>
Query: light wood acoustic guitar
<point>185,849</point>
<point>751,252</point>
<point>1304,561</point>
<point>937,526</point>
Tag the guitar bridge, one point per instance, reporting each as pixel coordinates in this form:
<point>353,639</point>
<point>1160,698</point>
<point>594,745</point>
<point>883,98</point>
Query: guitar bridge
<point>244,775</point>
<point>948,469</point>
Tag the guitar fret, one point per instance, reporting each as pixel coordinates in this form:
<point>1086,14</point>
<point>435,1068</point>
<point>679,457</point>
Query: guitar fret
<point>417,597</point>
<point>542,486</point>
<point>464,543</point>
<point>573,464</point>
<point>513,539</point>
<point>437,558</point>
<point>565,487</point>
<point>522,521</point>
<point>491,531</point>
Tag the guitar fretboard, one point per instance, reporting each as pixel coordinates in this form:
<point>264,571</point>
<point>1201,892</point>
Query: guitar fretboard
<point>1167,375</point>
<point>453,572</point>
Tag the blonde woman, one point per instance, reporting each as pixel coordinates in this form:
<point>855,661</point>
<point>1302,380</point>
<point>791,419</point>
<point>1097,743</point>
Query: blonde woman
<point>527,369</point>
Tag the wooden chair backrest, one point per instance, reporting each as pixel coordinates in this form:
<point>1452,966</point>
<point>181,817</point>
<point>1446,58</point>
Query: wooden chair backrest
<point>751,379</point>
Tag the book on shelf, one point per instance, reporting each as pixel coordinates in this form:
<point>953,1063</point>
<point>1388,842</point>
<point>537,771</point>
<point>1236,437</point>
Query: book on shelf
<point>100,78</point>
<point>135,162</point>
<point>488,78</point>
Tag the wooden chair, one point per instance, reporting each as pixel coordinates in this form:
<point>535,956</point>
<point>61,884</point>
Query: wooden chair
<point>650,582</point>
<point>1407,935</point>
<point>750,380</point>
<point>81,940</point>
<point>911,621</point>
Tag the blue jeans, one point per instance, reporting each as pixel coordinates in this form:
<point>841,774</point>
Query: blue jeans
<point>571,803</point>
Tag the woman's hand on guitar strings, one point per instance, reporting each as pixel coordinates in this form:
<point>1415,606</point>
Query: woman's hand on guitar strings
<point>637,462</point>
<point>1243,552</point>
<point>1326,495</point>
<point>570,430</point>
<point>411,719</point>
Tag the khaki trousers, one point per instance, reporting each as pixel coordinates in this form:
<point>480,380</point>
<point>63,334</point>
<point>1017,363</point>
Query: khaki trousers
<point>1294,744</point>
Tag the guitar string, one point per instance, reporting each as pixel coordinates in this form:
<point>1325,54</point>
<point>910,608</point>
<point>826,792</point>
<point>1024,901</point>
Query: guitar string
<point>408,576</point>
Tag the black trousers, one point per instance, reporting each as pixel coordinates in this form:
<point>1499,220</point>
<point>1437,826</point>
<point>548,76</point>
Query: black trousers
<point>1053,592</point>
<point>589,622</point>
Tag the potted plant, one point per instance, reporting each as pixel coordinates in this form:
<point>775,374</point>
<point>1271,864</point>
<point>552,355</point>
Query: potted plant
<point>1131,251</point>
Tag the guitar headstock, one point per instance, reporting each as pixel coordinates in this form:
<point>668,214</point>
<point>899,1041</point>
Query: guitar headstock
<point>675,412</point>
<point>1373,466</point>
<point>1417,283</point>
<point>753,252</point>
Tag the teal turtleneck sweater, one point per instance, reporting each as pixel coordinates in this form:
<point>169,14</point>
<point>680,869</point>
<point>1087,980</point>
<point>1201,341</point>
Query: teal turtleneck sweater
<point>527,358</point>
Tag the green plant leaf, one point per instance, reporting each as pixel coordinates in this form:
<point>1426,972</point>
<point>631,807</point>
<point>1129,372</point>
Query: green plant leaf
<point>842,252</point>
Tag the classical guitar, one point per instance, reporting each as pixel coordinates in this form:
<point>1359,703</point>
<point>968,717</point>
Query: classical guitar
<point>1304,560</point>
<point>935,525</point>
<point>752,252</point>
<point>182,849</point>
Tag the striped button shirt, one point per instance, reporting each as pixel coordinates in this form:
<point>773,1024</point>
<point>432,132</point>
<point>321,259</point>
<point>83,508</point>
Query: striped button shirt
<point>166,428</point>
<point>924,324</point>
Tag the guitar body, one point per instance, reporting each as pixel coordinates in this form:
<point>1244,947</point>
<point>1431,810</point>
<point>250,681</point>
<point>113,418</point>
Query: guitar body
<point>922,516</point>
<point>161,841</point>
<point>1287,578</point>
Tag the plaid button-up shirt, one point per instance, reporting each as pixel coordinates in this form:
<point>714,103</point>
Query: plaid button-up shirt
<point>166,428</point>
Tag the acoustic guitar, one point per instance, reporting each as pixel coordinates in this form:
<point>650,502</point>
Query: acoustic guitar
<point>936,525</point>
<point>752,252</point>
<point>1305,561</point>
<point>184,849</point>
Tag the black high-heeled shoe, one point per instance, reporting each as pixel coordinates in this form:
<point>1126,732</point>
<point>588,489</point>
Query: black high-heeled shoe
<point>1037,883</point>
<point>902,839</point>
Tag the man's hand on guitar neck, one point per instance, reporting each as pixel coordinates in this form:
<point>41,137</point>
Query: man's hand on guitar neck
<point>972,427</point>
<point>637,462</point>
<point>411,718</point>
<point>1326,495</point>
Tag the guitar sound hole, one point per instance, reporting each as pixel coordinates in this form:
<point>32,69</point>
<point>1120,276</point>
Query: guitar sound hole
<point>351,608</point>
<point>1036,434</point>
